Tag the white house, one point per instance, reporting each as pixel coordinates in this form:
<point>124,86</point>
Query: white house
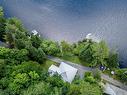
<point>66,71</point>
<point>34,32</point>
<point>90,36</point>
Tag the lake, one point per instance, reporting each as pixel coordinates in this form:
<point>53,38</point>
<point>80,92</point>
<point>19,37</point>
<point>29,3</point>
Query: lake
<point>72,20</point>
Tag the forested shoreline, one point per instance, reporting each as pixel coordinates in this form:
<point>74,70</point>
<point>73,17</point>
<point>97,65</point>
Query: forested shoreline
<point>21,72</point>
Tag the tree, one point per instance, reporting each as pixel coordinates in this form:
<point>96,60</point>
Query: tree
<point>84,88</point>
<point>122,74</point>
<point>50,48</point>
<point>1,12</point>
<point>95,53</point>
<point>36,41</point>
<point>20,43</point>
<point>36,54</point>
<point>18,82</point>
<point>74,90</point>
<point>15,31</point>
<point>87,53</point>
<point>66,48</point>
<point>103,53</point>
<point>89,89</point>
<point>78,48</point>
<point>21,35</point>
<point>97,74</point>
<point>89,77</point>
<point>18,55</point>
<point>40,88</point>
<point>40,58</point>
<point>4,52</point>
<point>33,75</point>
<point>9,37</point>
<point>17,23</point>
<point>55,81</point>
<point>113,61</point>
<point>2,24</point>
<point>13,55</point>
<point>27,67</point>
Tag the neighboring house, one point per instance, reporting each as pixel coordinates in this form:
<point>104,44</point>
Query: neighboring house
<point>66,71</point>
<point>89,36</point>
<point>108,90</point>
<point>34,32</point>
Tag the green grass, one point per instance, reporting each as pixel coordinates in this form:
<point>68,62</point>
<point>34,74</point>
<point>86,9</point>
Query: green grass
<point>108,72</point>
<point>48,63</point>
<point>74,59</point>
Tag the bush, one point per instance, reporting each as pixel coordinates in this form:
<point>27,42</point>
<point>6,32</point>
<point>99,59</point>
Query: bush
<point>89,77</point>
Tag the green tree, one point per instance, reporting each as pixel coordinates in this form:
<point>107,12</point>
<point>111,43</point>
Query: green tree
<point>2,24</point>
<point>1,12</point>
<point>74,90</point>
<point>84,88</point>
<point>87,53</point>
<point>50,48</point>
<point>17,23</point>
<point>113,61</point>
<point>40,88</point>
<point>122,74</point>
<point>103,53</point>
<point>36,41</point>
<point>18,82</point>
<point>33,75</point>
<point>78,48</point>
<point>65,47</point>
<point>88,77</point>
<point>95,53</point>
<point>20,44</point>
<point>18,55</point>
<point>9,37</point>
<point>4,52</point>
<point>89,89</point>
<point>55,81</point>
<point>97,74</point>
<point>36,54</point>
<point>40,56</point>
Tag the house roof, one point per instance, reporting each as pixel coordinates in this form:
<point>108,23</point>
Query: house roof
<point>92,37</point>
<point>54,69</point>
<point>109,90</point>
<point>66,71</point>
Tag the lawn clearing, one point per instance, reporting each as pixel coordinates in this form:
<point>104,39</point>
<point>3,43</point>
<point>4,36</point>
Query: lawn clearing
<point>48,63</point>
<point>74,59</point>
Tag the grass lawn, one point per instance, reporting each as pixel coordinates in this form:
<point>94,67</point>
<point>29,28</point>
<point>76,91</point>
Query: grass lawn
<point>108,72</point>
<point>74,59</point>
<point>48,63</point>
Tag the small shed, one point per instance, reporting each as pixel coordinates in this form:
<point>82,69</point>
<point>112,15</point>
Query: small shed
<point>66,71</point>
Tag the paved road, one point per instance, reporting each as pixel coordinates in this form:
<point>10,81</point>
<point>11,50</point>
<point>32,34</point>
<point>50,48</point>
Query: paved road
<point>82,69</point>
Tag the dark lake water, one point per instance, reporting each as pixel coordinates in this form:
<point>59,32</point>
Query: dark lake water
<point>72,20</point>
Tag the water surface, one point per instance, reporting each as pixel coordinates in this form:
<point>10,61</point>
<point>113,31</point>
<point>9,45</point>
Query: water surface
<point>72,20</point>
